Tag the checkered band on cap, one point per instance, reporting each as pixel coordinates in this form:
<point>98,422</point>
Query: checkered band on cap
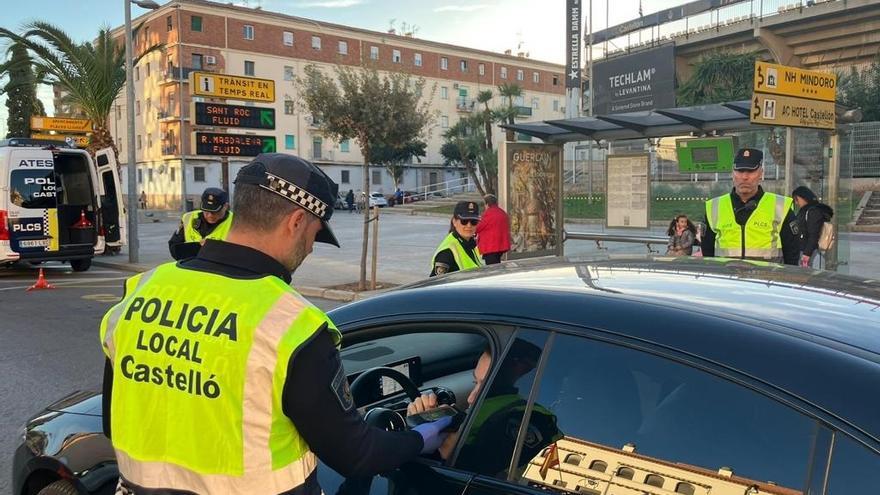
<point>296,194</point>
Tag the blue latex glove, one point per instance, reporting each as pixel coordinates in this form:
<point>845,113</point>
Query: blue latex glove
<point>432,434</point>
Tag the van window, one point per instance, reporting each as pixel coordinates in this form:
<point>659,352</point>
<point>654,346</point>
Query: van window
<point>74,180</point>
<point>33,188</point>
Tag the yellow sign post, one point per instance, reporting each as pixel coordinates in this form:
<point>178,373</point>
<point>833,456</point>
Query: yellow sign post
<point>233,87</point>
<point>61,124</point>
<point>792,97</point>
<point>79,141</point>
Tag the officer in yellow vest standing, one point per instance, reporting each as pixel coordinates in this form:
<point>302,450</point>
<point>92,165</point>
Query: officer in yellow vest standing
<point>750,223</point>
<point>221,378</point>
<point>212,221</point>
<point>458,250</point>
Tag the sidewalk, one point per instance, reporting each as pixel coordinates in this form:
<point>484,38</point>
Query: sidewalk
<point>406,243</point>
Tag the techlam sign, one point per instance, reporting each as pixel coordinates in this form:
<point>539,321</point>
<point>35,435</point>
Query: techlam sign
<point>642,81</point>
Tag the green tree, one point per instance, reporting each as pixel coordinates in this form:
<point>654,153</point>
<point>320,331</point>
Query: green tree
<point>20,91</point>
<point>464,145</point>
<point>508,112</point>
<point>374,109</point>
<point>719,77</point>
<point>861,90</point>
<point>394,156</point>
<point>92,73</point>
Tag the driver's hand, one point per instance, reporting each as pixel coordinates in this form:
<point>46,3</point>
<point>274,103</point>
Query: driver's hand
<point>425,402</point>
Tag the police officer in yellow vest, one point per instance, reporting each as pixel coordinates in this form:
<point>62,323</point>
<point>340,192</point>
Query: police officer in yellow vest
<point>750,223</point>
<point>458,250</point>
<point>221,378</point>
<point>213,221</point>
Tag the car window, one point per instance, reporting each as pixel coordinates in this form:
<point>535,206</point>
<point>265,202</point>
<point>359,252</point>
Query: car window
<point>855,469</point>
<point>492,430</point>
<point>633,418</point>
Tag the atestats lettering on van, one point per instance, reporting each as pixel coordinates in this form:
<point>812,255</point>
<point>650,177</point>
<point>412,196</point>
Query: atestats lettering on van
<point>40,163</point>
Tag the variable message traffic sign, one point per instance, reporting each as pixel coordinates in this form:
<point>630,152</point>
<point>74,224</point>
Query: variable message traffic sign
<point>215,144</point>
<point>233,87</point>
<point>61,124</point>
<point>220,115</point>
<point>792,97</point>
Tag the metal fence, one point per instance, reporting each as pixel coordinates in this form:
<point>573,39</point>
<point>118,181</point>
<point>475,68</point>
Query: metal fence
<point>864,144</point>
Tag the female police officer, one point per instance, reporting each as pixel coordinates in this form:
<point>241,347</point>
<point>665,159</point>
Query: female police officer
<point>459,251</point>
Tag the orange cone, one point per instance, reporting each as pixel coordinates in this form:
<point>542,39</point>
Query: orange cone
<point>41,283</point>
<point>83,222</point>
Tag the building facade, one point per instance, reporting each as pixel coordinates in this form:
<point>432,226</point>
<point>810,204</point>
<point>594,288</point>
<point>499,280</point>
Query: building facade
<point>212,37</point>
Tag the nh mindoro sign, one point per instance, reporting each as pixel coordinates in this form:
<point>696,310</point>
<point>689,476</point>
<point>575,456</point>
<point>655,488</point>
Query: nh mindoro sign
<point>221,115</point>
<point>233,87</point>
<point>788,96</point>
<point>214,144</point>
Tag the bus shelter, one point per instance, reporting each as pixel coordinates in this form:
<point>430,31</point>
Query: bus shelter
<point>605,154</point>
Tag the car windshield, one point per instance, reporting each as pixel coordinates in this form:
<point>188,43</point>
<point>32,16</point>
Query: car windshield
<point>376,195</point>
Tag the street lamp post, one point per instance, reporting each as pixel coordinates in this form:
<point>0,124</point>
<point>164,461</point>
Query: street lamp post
<point>129,103</point>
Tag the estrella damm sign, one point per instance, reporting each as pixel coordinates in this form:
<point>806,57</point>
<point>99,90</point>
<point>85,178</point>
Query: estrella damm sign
<point>209,143</point>
<point>790,81</point>
<point>220,115</point>
<point>233,87</point>
<point>61,124</point>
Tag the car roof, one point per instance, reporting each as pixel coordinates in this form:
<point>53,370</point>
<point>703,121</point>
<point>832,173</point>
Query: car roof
<point>808,333</point>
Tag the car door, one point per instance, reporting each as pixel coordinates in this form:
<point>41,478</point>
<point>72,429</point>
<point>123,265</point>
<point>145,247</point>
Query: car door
<point>604,418</point>
<point>113,216</point>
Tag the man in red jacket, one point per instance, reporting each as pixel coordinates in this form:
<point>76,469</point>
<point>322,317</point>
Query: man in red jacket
<point>493,231</point>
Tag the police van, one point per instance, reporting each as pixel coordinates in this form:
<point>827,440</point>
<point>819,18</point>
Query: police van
<point>56,204</point>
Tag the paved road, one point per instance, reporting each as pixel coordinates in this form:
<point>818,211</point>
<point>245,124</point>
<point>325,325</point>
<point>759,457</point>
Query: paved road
<point>50,342</point>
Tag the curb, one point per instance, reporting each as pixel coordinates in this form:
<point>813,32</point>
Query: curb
<point>319,292</point>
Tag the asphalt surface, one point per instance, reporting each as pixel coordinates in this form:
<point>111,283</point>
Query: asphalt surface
<point>49,342</point>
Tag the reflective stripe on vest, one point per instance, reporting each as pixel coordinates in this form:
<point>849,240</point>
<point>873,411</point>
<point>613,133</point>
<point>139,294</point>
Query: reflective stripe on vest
<point>462,259</point>
<point>190,234</point>
<point>199,365</point>
<point>762,230</point>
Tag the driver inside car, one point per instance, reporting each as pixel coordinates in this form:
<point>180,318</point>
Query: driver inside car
<point>496,425</point>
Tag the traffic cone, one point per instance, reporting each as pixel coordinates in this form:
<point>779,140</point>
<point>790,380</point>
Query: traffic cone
<point>41,283</point>
<point>83,222</point>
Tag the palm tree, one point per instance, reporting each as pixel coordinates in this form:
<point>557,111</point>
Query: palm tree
<point>485,97</point>
<point>92,73</point>
<point>508,113</point>
<point>719,77</point>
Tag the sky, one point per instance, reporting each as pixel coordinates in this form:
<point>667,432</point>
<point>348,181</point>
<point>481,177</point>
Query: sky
<point>534,26</point>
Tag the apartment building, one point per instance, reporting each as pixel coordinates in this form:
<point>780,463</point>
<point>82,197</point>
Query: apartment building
<point>207,36</point>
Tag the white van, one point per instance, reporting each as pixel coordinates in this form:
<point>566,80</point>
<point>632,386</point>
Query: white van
<point>56,204</point>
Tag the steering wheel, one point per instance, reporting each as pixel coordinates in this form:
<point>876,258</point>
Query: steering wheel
<point>382,417</point>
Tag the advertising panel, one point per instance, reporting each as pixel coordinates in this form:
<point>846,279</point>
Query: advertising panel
<point>641,81</point>
<point>573,43</point>
<point>629,191</point>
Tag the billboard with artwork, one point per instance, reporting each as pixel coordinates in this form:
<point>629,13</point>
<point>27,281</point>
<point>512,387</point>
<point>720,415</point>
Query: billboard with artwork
<point>632,83</point>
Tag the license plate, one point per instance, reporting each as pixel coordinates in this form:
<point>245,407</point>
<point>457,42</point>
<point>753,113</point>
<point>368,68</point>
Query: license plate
<point>34,243</point>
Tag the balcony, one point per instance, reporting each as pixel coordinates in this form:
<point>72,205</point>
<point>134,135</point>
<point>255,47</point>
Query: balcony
<point>169,149</point>
<point>522,111</point>
<point>174,75</point>
<point>169,116</point>
<point>465,105</point>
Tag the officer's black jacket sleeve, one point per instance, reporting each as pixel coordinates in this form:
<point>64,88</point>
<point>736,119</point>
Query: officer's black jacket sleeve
<point>791,248</point>
<point>338,437</point>
<point>707,242</point>
<point>447,258</point>
<point>106,397</point>
<point>177,238</point>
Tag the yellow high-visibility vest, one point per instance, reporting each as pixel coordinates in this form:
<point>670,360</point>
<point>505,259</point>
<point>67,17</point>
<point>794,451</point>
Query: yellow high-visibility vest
<point>199,365</point>
<point>759,238</point>
<point>190,233</point>
<point>462,259</point>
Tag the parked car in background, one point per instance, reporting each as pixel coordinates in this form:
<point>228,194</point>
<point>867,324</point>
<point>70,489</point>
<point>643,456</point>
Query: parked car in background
<point>378,199</point>
<point>681,376</point>
<point>340,202</point>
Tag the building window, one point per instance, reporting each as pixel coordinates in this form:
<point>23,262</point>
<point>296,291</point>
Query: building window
<point>444,63</point>
<point>150,175</point>
<point>289,142</point>
<point>519,100</point>
<point>149,105</point>
<point>168,23</point>
<point>520,75</point>
<point>417,59</point>
<point>481,68</point>
<point>148,69</point>
<point>374,52</point>
<point>504,73</point>
<point>149,141</point>
<point>287,38</point>
<point>573,459</point>
<point>173,174</point>
<point>345,177</point>
<point>137,109</point>
<point>536,77</point>
<point>685,488</point>
<point>444,122</point>
<point>555,105</point>
<point>199,174</point>
<point>559,483</point>
<point>376,177</point>
<point>444,93</point>
<point>195,23</point>
<point>555,80</point>
<point>345,146</point>
<point>288,73</point>
<point>316,42</point>
<point>137,73</point>
<point>654,480</point>
<point>626,473</point>
<point>600,466</point>
<point>463,65</point>
<point>197,61</point>
<point>395,56</point>
<point>317,141</point>
<point>343,48</point>
<point>139,141</point>
<point>248,68</point>
<point>118,112</point>
<point>248,32</point>
<point>140,176</point>
<point>535,102</point>
<point>288,106</point>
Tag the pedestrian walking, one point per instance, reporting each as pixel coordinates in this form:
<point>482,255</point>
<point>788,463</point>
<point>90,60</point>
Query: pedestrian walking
<point>682,236</point>
<point>750,223</point>
<point>493,231</point>
<point>212,221</point>
<point>221,379</point>
<point>349,200</point>
<point>811,216</point>
<point>459,250</point>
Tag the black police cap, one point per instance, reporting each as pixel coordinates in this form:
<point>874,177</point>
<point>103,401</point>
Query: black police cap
<point>467,210</point>
<point>748,159</point>
<point>297,180</point>
<point>213,199</point>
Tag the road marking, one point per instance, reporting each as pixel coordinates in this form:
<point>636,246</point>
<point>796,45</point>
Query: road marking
<point>68,284</point>
<point>102,297</point>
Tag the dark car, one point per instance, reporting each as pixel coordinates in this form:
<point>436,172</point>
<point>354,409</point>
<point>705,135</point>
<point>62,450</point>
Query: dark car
<point>610,377</point>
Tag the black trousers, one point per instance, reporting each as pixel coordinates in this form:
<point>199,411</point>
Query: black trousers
<point>492,258</point>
